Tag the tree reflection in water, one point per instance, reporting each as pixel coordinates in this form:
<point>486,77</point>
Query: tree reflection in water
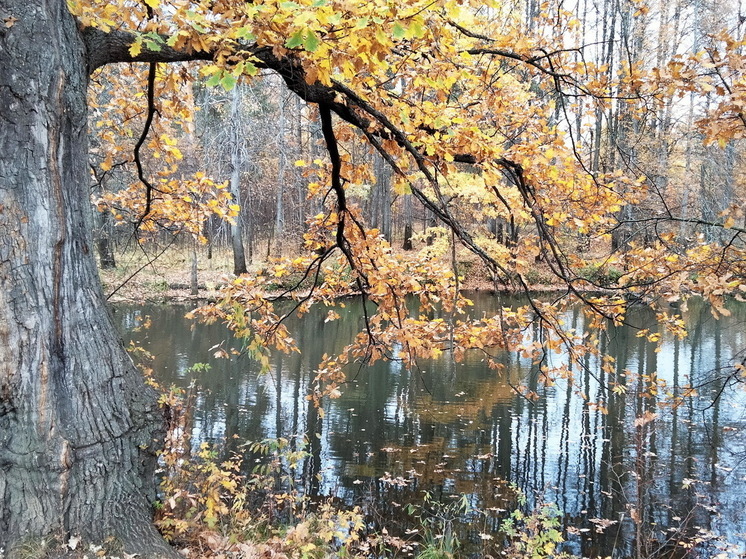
<point>621,451</point>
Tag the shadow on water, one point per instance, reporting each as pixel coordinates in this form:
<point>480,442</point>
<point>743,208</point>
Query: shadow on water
<point>630,461</point>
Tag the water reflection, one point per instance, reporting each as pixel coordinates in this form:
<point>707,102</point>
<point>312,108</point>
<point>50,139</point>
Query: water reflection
<point>615,445</point>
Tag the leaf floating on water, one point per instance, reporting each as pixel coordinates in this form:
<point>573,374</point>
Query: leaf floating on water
<point>602,523</point>
<point>73,542</point>
<point>645,418</point>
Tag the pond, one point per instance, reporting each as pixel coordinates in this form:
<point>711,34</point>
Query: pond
<point>621,461</point>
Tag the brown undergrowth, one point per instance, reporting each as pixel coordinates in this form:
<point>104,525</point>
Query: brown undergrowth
<point>167,278</point>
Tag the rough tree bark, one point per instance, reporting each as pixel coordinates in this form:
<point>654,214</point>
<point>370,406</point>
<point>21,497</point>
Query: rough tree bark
<point>77,424</point>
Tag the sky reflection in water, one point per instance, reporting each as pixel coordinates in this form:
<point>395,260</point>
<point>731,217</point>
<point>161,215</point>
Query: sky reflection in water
<point>461,428</point>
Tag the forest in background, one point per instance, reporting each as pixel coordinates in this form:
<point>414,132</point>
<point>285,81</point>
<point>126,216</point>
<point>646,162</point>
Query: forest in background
<point>672,136</point>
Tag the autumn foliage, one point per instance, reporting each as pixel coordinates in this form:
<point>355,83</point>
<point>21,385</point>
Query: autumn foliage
<point>485,114</point>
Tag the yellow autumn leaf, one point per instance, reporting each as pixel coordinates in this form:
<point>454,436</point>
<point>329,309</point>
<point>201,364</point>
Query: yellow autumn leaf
<point>136,48</point>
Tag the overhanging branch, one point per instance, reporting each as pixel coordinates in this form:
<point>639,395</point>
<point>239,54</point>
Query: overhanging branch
<point>109,47</point>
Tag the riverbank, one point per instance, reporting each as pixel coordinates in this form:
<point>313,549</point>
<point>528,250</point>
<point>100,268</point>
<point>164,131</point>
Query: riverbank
<point>169,278</point>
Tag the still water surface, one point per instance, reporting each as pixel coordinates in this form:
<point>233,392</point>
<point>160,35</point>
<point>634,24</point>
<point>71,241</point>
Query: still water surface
<point>462,429</point>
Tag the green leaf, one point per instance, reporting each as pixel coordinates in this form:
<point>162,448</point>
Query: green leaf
<point>228,82</point>
<point>152,45</point>
<point>553,536</point>
<point>213,81</point>
<point>136,47</point>
<point>399,31</point>
<point>312,42</point>
<point>295,40</point>
<point>289,5</point>
<point>249,69</point>
<point>416,30</point>
<point>245,34</point>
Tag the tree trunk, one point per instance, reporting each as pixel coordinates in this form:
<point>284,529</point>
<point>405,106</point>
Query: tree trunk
<point>103,235</point>
<point>279,226</point>
<point>239,258</point>
<point>408,217</point>
<point>193,278</point>
<point>300,183</point>
<point>77,423</point>
<point>103,243</point>
<point>381,199</point>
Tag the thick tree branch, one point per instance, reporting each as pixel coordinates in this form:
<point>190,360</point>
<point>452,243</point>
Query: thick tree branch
<point>114,46</point>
